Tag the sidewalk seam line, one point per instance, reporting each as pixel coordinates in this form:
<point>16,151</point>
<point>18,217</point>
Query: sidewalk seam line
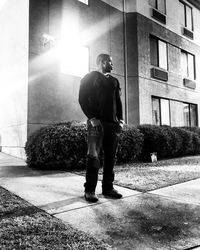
<point>95,204</point>
<point>191,248</point>
<point>177,199</point>
<point>172,185</point>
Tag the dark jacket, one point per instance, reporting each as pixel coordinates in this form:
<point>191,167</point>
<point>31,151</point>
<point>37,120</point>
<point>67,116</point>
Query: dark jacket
<point>99,97</point>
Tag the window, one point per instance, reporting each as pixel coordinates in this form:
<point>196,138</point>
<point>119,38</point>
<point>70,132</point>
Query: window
<point>186,16</point>
<point>173,113</point>
<point>159,5</point>
<point>165,112</point>
<point>193,115</point>
<point>190,114</point>
<point>158,53</point>
<point>188,65</point>
<point>186,114</point>
<point>84,1</point>
<point>156,111</point>
<point>161,111</point>
<point>176,113</point>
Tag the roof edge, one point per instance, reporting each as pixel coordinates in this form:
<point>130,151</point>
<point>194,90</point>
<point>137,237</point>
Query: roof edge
<point>196,3</point>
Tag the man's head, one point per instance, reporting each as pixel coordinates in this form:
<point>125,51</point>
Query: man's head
<point>104,63</point>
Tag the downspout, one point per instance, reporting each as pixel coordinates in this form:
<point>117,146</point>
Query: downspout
<point>125,62</point>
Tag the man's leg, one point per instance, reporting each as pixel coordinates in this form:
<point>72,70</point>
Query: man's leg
<point>110,146</point>
<point>92,169</point>
<point>93,163</point>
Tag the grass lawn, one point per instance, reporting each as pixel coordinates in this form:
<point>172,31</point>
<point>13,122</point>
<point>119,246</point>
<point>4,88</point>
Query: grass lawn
<point>23,226</point>
<point>149,176</point>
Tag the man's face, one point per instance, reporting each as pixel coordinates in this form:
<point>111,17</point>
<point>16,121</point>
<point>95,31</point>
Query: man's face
<point>108,65</point>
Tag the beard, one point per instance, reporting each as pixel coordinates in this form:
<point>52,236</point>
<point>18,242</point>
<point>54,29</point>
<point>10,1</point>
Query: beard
<point>108,68</point>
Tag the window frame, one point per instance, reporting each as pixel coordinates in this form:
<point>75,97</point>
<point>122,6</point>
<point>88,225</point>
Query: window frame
<point>194,64</point>
<point>189,112</point>
<point>185,16</point>
<point>196,111</point>
<point>158,53</point>
<point>156,6</point>
<point>183,103</point>
<point>158,99</point>
<point>184,120</point>
<point>160,111</point>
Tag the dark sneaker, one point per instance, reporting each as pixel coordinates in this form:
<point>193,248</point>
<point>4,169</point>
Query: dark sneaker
<point>91,196</point>
<point>113,193</point>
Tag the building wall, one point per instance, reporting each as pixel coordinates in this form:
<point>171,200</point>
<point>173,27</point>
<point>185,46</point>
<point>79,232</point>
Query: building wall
<point>52,96</point>
<point>13,76</point>
<point>141,87</point>
<point>172,89</point>
<point>132,69</point>
<point>172,15</point>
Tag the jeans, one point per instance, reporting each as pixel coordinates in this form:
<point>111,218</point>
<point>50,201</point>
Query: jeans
<point>106,139</point>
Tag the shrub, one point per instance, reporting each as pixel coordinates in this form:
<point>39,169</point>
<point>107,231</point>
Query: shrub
<point>196,144</point>
<point>195,139</point>
<point>186,141</point>
<point>196,130</point>
<point>130,144</point>
<point>176,143</point>
<point>57,145</point>
<point>168,142</point>
<point>154,141</point>
<point>64,145</point>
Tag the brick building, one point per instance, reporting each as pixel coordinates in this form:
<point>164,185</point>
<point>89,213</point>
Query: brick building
<point>47,45</point>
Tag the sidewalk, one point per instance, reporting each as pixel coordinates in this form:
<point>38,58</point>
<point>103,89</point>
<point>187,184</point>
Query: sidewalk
<point>166,218</point>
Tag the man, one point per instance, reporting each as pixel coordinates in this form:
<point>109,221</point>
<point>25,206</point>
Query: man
<point>99,97</point>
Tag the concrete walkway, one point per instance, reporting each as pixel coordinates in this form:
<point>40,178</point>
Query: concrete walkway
<point>166,218</point>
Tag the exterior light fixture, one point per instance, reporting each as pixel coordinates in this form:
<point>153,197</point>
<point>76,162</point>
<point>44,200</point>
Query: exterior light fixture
<point>46,39</point>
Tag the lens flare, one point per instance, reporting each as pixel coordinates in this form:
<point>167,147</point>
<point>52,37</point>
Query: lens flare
<point>74,57</point>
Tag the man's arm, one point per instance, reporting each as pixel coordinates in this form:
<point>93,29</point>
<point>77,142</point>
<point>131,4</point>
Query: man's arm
<point>119,103</point>
<point>85,96</point>
<point>86,102</point>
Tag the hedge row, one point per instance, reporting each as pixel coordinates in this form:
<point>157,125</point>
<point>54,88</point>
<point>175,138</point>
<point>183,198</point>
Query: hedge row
<point>62,145</point>
<point>169,142</point>
<point>65,145</point>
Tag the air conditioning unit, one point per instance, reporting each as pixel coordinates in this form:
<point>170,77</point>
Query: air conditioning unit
<point>188,33</point>
<point>189,83</point>
<point>159,16</point>
<point>159,74</point>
